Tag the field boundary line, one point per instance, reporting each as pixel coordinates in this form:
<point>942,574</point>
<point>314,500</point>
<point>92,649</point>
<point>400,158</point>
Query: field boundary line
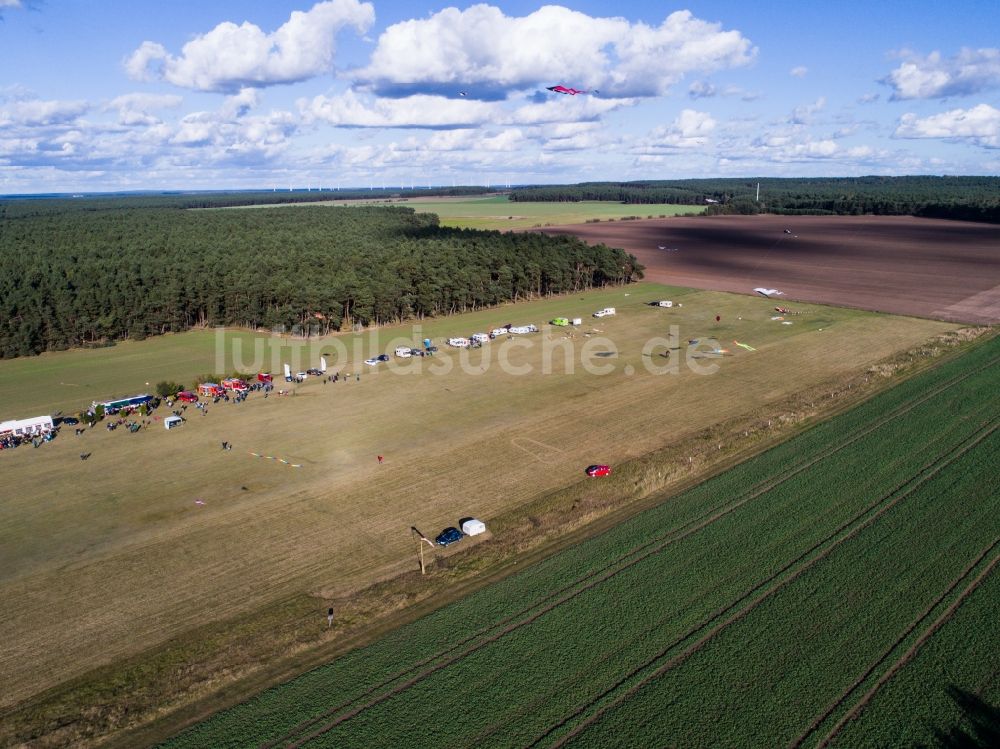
<point>832,708</point>
<point>910,653</point>
<point>896,495</point>
<point>656,545</point>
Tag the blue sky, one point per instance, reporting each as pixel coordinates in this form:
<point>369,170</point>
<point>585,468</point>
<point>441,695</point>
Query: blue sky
<point>213,95</point>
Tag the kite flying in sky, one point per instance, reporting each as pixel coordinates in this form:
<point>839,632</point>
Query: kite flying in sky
<point>565,90</point>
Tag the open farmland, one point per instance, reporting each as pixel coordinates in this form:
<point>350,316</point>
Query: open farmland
<point>948,270</point>
<point>459,439</point>
<point>497,212</point>
<point>824,593</point>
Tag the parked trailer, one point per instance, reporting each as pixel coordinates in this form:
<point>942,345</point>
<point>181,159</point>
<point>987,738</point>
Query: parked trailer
<point>115,406</point>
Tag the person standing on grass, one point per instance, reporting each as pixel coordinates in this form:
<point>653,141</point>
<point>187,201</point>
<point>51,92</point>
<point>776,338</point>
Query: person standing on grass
<point>329,617</point>
<point>380,460</point>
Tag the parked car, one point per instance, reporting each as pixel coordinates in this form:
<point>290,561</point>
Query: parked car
<point>372,362</point>
<point>560,321</point>
<point>416,352</point>
<point>186,396</point>
<point>382,357</point>
<point>448,536</point>
<point>315,372</point>
<point>70,420</point>
<point>599,470</point>
<point>300,376</point>
<point>606,312</point>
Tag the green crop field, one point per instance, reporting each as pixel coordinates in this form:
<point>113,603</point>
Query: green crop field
<point>462,434</point>
<point>839,589</point>
<point>497,212</point>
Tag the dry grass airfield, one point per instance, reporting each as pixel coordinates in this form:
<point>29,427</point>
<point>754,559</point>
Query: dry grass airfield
<point>103,558</point>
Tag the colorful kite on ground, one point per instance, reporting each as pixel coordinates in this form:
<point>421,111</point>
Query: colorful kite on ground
<point>747,346</point>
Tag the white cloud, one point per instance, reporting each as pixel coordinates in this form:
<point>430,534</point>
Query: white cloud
<point>230,57</point>
<point>690,129</point>
<point>565,109</point>
<point>135,109</point>
<point>706,90</point>
<point>10,4</point>
<point>701,90</point>
<point>36,112</point>
<point>935,77</point>
<point>980,125</point>
<point>799,71</point>
<point>802,115</point>
<point>488,54</point>
<point>350,110</point>
<point>867,98</point>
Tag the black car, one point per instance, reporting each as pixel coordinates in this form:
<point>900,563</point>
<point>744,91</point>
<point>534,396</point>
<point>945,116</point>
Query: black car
<point>448,536</point>
<point>382,357</point>
<point>70,420</point>
<point>314,372</point>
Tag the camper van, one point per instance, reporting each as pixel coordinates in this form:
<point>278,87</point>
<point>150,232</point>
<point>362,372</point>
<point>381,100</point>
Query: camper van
<point>606,312</point>
<point>458,342</point>
<point>404,352</point>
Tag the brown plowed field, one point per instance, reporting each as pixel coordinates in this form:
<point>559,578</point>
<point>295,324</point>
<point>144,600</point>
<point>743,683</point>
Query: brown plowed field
<point>948,270</point>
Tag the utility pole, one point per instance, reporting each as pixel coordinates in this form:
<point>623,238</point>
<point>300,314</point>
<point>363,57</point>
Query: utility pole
<point>421,539</point>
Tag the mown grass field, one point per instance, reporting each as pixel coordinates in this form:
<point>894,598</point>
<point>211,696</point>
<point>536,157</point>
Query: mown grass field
<point>497,212</point>
<point>839,589</point>
<point>101,559</point>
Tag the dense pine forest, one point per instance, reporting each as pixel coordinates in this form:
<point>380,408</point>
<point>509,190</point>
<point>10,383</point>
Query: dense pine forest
<point>95,272</point>
<point>965,198</point>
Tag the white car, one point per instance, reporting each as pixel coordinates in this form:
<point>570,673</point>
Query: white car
<point>302,375</point>
<point>604,312</point>
<point>371,362</point>
<point>404,352</point>
<point>458,342</point>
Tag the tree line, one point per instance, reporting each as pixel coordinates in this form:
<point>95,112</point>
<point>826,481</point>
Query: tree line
<point>964,198</point>
<point>90,277</point>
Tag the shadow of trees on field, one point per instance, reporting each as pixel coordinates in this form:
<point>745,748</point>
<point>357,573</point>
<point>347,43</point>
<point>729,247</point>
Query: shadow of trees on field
<point>980,727</point>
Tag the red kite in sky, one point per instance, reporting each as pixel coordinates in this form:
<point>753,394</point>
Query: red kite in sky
<point>564,90</point>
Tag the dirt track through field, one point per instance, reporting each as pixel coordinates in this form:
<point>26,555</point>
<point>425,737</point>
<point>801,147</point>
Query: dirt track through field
<point>388,688</point>
<point>948,270</point>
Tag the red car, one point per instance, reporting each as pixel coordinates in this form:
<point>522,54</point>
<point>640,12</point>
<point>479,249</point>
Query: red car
<point>187,396</point>
<point>599,470</point>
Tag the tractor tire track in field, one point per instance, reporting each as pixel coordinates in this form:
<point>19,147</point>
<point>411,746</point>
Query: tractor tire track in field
<point>595,577</point>
<point>909,654</point>
<point>924,615</point>
<point>883,505</point>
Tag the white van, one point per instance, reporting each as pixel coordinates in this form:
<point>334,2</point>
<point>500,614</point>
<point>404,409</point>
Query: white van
<point>606,312</point>
<point>403,352</point>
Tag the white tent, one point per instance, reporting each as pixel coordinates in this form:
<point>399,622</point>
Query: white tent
<point>473,527</point>
<point>27,427</point>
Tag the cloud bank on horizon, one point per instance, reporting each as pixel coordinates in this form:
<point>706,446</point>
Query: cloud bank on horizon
<point>324,96</point>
